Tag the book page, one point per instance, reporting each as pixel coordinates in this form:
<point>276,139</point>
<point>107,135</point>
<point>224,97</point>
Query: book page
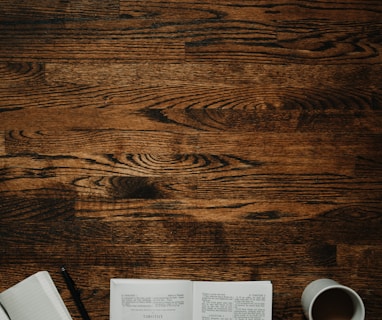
<point>232,300</point>
<point>35,298</point>
<point>150,299</point>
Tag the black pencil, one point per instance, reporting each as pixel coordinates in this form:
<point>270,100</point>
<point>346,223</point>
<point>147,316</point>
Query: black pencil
<point>75,293</point>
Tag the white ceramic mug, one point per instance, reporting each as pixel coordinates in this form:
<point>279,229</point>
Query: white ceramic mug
<point>326,299</point>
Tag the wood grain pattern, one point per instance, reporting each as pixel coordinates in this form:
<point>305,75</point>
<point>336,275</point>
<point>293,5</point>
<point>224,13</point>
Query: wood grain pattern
<point>2,143</point>
<point>209,31</point>
<point>204,140</point>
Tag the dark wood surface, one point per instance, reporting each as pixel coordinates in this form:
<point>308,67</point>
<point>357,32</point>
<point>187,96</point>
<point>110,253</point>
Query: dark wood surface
<point>204,140</point>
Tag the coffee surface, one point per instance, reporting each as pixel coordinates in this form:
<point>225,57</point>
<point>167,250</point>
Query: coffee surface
<point>333,304</point>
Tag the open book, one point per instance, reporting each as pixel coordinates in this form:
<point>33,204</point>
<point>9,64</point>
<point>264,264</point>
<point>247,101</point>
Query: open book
<point>34,298</point>
<point>189,300</point>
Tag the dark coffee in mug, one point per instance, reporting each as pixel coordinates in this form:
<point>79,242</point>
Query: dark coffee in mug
<point>333,304</point>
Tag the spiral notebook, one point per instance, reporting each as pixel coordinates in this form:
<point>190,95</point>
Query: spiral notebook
<point>34,298</point>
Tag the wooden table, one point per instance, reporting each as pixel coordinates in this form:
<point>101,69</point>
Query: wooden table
<point>204,140</point>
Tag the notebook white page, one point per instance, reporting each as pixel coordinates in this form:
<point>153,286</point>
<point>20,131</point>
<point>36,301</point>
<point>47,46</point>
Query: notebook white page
<point>3,314</point>
<point>35,298</point>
